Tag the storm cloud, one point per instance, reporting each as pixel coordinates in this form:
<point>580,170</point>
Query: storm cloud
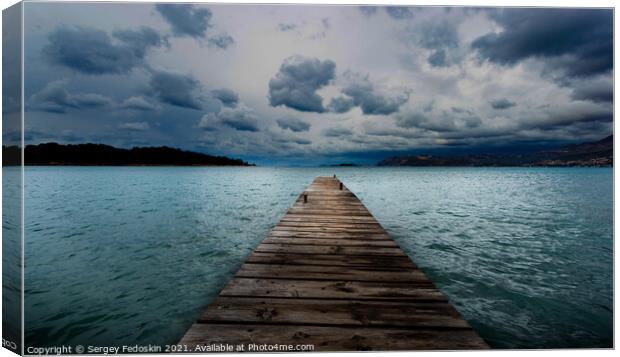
<point>502,103</point>
<point>285,27</point>
<point>400,12</point>
<point>440,37</point>
<point>599,90</point>
<point>341,104</point>
<point>370,98</point>
<point>296,83</point>
<point>441,122</point>
<point>293,124</point>
<point>55,98</point>
<point>176,89</point>
<point>337,132</point>
<point>228,97</point>
<point>240,118</point>
<point>286,137</point>
<point>186,19</point>
<point>139,103</point>
<point>580,41</point>
<point>135,126</point>
<point>93,51</point>
<point>367,10</point>
<point>222,41</point>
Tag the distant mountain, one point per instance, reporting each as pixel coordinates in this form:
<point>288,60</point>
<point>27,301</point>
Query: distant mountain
<point>599,153</point>
<point>101,155</point>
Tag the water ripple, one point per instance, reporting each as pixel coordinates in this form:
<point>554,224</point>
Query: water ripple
<point>118,256</point>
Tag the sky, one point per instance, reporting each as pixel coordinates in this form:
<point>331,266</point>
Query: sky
<point>311,85</point>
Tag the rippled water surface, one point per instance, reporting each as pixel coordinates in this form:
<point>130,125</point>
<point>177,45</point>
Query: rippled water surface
<point>126,255</point>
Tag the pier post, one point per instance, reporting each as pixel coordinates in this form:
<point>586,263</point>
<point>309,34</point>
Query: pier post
<point>341,186</point>
<point>305,198</point>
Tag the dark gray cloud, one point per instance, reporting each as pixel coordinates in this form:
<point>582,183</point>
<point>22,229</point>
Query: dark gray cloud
<point>502,103</point>
<point>441,122</point>
<point>293,124</point>
<point>438,58</point>
<point>337,132</point>
<point>92,51</point>
<point>438,35</point>
<point>572,120</point>
<point>575,115</point>
<point>209,122</point>
<point>222,41</point>
<point>368,10</point>
<point>284,137</point>
<point>371,99</point>
<point>228,97</point>
<point>399,12</point>
<point>374,128</point>
<point>341,104</point>
<point>598,91</point>
<point>175,89</point>
<point>413,120</point>
<point>285,27</point>
<point>141,40</point>
<point>240,118</point>
<point>186,19</point>
<point>458,110</point>
<point>579,41</point>
<point>296,83</point>
<point>135,126</point>
<point>138,103</point>
<point>55,98</point>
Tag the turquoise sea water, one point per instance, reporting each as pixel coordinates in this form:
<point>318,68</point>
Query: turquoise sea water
<point>126,255</point>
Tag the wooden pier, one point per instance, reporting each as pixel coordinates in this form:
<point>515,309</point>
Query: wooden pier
<point>328,275</point>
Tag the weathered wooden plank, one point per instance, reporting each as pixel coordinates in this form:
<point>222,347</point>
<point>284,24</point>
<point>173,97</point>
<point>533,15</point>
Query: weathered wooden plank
<point>347,242</point>
<point>328,235</point>
<point>332,260</point>
<point>351,201</point>
<point>309,272</point>
<point>325,212</point>
<point>317,218</point>
<point>328,229</point>
<point>329,219</point>
<point>333,312</point>
<point>375,226</point>
<point>312,249</point>
<point>357,290</point>
<point>329,338</point>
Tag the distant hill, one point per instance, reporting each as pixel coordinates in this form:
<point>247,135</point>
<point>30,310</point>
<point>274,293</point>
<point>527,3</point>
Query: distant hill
<point>101,155</point>
<point>599,153</point>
